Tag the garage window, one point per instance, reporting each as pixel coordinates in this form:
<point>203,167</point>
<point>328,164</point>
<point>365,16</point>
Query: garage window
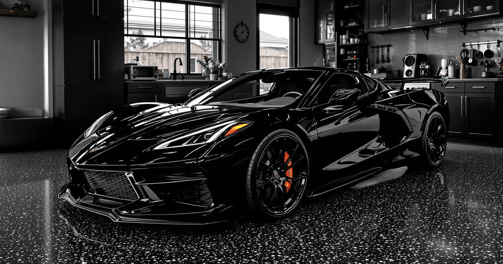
<point>159,32</point>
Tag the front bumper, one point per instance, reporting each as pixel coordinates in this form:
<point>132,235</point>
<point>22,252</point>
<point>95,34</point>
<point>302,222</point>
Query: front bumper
<point>170,198</point>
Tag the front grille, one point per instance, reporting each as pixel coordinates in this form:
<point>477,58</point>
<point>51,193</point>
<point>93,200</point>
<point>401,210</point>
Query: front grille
<point>112,184</point>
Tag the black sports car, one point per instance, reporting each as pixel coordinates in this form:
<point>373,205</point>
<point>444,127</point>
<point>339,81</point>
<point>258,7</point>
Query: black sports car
<point>263,140</point>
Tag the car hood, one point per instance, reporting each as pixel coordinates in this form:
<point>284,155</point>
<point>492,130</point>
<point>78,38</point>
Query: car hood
<point>132,139</point>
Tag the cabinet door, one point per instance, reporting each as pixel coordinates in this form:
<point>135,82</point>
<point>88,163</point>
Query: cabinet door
<point>398,14</point>
<point>143,97</point>
<point>110,51</point>
<point>79,50</point>
<point>481,7</point>
<point>480,118</point>
<point>110,9</point>
<point>447,10</point>
<point>79,7</point>
<point>421,11</point>
<point>456,109</point>
<point>376,15</point>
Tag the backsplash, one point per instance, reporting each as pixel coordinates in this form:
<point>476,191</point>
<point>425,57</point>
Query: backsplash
<point>444,42</point>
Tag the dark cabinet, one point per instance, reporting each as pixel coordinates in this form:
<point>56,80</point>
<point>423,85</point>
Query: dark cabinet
<point>473,109</point>
<point>386,14</point>
<point>376,13</point>
<point>101,8</point>
<point>480,8</point>
<point>88,63</point>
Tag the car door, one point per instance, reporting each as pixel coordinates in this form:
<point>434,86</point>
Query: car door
<point>343,125</point>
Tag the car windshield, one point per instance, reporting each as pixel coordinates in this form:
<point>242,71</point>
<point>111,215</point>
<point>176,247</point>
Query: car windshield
<point>273,88</point>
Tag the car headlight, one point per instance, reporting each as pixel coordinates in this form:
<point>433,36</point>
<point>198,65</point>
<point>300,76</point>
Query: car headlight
<point>205,135</point>
<point>97,124</point>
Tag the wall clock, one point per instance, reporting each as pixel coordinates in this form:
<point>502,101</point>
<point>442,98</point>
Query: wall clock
<point>242,33</point>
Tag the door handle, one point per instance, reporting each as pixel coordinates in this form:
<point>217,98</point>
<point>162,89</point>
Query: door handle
<point>92,7</point>
<point>99,60</point>
<point>329,109</point>
<point>462,108</point>
<point>466,106</point>
<point>94,59</point>
<point>156,98</point>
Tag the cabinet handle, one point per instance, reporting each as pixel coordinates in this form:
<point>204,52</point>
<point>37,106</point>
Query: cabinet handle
<point>435,11</point>
<point>92,7</point>
<point>463,7</point>
<point>156,98</point>
<point>144,87</point>
<point>98,7</point>
<point>462,108</point>
<point>94,58</point>
<point>478,87</point>
<point>450,87</point>
<point>466,106</point>
<point>99,60</point>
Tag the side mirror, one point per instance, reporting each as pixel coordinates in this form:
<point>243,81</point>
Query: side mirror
<point>194,92</point>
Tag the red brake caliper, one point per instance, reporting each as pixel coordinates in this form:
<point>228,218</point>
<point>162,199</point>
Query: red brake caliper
<point>289,173</point>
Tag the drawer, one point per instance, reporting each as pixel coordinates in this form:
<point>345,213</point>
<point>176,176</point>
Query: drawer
<point>482,87</point>
<point>144,87</point>
<point>451,87</point>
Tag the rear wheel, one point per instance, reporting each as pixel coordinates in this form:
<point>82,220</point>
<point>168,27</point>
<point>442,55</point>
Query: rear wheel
<point>277,175</point>
<point>434,140</point>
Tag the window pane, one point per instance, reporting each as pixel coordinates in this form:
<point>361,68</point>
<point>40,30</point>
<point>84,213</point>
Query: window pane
<point>172,22</point>
<point>204,22</point>
<point>141,17</point>
<point>160,52</point>
<point>201,48</point>
<point>274,41</point>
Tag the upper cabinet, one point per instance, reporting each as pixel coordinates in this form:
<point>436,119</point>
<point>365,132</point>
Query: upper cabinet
<point>383,15</point>
<point>100,8</point>
<point>325,19</point>
<point>481,8</point>
<point>387,14</point>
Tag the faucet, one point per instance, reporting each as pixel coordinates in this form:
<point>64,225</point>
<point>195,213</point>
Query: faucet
<point>174,67</point>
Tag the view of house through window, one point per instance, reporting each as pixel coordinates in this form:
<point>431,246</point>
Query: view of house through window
<point>159,32</point>
<point>274,43</point>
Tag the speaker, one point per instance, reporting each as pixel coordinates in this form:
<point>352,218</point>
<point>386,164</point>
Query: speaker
<point>411,64</point>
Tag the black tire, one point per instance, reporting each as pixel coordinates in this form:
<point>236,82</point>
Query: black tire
<point>270,191</point>
<point>434,141</point>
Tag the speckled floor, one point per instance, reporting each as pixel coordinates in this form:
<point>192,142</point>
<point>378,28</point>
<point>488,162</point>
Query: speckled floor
<point>453,215</point>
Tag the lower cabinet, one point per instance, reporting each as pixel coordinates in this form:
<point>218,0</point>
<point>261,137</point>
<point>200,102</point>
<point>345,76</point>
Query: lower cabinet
<point>474,109</point>
<point>174,92</point>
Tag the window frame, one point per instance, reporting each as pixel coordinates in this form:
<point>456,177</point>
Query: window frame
<point>187,38</point>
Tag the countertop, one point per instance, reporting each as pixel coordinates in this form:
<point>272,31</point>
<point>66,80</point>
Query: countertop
<point>179,81</point>
<point>390,80</point>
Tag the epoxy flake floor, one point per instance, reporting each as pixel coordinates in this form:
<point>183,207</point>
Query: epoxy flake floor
<point>450,215</point>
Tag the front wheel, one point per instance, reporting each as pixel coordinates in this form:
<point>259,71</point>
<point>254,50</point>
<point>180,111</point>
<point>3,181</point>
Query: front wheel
<point>434,140</point>
<point>277,175</point>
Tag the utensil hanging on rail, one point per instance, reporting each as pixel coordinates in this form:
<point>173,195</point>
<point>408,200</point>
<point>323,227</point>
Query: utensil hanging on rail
<point>377,55</point>
<point>498,59</point>
<point>372,57</point>
<point>488,53</point>
<point>382,55</point>
<point>478,55</point>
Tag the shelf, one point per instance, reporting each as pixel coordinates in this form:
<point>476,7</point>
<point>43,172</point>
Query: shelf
<point>353,26</point>
<point>18,13</point>
<point>352,44</point>
<point>351,59</point>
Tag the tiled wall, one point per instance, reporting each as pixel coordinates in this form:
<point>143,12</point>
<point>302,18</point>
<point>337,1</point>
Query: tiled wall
<point>444,41</point>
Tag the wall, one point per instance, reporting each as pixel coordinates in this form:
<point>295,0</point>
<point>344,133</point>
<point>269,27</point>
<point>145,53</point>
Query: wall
<point>239,57</point>
<point>310,54</point>
<point>22,61</point>
<point>444,41</point>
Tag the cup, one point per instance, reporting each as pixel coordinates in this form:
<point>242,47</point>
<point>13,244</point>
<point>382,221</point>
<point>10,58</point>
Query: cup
<point>423,16</point>
<point>342,51</point>
<point>450,12</point>
<point>375,71</point>
<point>345,41</point>
<point>352,40</point>
<point>489,7</point>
